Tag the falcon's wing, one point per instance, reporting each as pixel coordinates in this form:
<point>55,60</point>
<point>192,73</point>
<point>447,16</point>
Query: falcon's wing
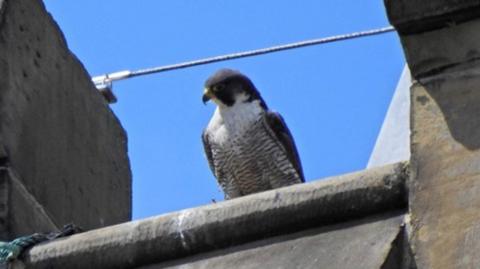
<point>279,129</point>
<point>208,152</point>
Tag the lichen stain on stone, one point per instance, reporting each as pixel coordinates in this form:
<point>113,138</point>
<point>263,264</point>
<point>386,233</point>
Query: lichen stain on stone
<point>422,99</point>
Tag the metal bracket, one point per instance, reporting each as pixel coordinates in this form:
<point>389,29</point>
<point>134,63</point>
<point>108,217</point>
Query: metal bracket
<point>104,84</point>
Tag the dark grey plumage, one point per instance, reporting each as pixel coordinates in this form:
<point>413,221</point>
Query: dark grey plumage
<point>249,148</point>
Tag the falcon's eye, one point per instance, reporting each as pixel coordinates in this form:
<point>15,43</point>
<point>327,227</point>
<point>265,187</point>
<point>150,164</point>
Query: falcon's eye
<point>218,87</point>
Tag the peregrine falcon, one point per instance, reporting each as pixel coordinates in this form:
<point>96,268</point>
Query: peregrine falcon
<point>249,148</point>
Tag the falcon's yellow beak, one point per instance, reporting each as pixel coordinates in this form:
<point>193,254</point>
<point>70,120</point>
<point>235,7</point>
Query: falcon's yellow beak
<point>207,95</point>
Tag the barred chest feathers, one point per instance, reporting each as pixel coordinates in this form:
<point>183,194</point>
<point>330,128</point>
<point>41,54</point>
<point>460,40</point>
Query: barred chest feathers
<point>249,148</point>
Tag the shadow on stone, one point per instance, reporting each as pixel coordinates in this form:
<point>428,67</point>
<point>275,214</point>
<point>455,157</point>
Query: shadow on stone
<point>458,100</point>
<point>401,254</point>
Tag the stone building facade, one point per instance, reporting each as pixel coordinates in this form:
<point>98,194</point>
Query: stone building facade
<point>424,213</point>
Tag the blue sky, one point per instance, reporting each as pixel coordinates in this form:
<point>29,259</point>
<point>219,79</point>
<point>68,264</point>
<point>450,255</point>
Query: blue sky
<point>333,97</point>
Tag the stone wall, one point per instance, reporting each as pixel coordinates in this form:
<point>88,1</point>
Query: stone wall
<point>56,131</point>
<point>441,42</point>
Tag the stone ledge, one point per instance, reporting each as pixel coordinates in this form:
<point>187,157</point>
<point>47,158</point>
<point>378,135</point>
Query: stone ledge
<point>246,219</point>
<point>337,246</point>
<point>416,16</point>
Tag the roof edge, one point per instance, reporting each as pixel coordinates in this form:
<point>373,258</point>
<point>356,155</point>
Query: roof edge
<point>237,221</point>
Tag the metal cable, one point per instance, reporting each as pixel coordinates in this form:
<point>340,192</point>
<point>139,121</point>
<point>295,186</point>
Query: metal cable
<point>129,74</point>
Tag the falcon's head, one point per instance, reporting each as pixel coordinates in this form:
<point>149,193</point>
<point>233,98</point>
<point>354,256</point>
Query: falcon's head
<point>227,87</point>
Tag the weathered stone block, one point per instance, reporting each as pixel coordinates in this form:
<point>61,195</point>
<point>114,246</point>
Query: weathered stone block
<point>441,43</point>
<point>433,52</point>
<point>60,136</point>
<point>416,16</point>
<point>445,195</point>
